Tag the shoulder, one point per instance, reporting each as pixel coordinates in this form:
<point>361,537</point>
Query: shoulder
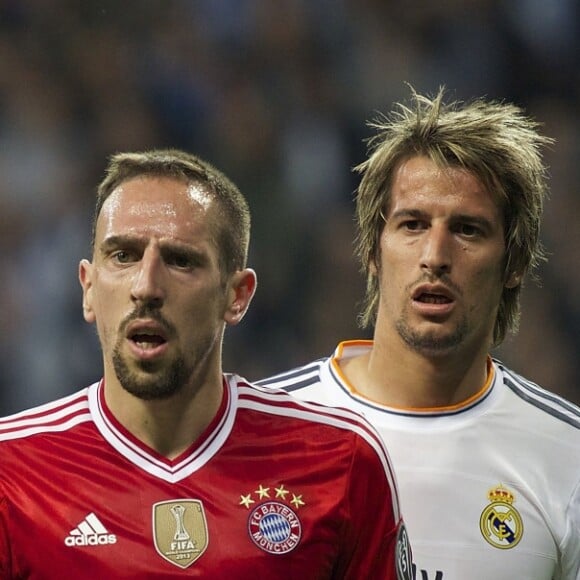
<point>324,373</point>
<point>56,416</point>
<point>338,422</point>
<point>277,401</point>
<point>338,430</point>
<point>551,408</point>
<point>296,378</point>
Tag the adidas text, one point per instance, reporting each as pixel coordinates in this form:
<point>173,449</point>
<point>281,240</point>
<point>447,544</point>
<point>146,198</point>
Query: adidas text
<point>95,540</point>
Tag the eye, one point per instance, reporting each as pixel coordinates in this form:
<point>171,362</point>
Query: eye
<point>123,257</point>
<point>468,230</point>
<point>413,225</point>
<point>182,261</point>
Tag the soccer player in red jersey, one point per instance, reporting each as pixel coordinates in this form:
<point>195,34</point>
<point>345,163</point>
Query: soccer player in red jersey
<point>167,467</point>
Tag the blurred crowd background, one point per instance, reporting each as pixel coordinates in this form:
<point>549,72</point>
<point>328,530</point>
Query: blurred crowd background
<point>277,95</point>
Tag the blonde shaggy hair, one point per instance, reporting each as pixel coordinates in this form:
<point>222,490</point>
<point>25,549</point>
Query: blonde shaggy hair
<point>493,140</point>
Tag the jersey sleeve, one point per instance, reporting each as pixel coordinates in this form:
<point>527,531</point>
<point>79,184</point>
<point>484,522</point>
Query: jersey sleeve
<point>571,547</point>
<point>4,544</point>
<point>375,540</point>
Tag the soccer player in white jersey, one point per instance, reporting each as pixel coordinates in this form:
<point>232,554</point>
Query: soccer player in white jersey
<point>167,468</point>
<point>488,463</point>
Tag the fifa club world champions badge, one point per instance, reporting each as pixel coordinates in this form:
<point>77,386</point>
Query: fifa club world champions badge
<point>180,531</point>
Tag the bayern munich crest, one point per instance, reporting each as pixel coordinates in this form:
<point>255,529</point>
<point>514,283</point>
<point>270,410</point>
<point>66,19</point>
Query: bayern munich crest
<point>403,556</point>
<point>273,524</point>
<point>500,522</point>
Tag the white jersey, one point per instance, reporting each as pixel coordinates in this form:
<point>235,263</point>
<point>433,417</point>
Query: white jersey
<point>490,488</point>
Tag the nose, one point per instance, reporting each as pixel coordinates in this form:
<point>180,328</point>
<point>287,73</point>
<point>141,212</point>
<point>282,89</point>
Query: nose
<point>436,251</point>
<point>148,287</point>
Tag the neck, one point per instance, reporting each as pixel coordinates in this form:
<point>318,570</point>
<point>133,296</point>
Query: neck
<point>397,376</point>
<point>168,426</point>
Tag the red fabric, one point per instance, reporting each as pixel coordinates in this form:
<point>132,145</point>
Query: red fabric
<point>323,486</point>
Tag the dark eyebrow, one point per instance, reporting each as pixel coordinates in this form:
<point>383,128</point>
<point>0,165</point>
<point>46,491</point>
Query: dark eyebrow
<point>122,240</point>
<point>482,222</point>
<point>411,213</point>
<point>177,249</point>
<point>166,248</point>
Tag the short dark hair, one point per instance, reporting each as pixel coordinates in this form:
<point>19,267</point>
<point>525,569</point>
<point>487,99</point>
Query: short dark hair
<point>233,224</point>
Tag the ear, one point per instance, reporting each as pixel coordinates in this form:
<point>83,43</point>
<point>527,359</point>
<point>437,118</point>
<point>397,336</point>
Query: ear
<point>242,288</point>
<point>86,280</point>
<point>513,280</point>
<point>373,269</point>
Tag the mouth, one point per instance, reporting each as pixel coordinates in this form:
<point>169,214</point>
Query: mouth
<point>433,300</point>
<point>429,298</point>
<point>147,341</point>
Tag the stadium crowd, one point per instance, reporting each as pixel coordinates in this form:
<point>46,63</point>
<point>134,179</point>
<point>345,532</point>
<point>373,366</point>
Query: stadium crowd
<point>277,94</point>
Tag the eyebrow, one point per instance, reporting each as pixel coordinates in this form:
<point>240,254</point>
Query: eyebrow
<point>115,241</point>
<point>414,213</point>
<point>137,242</point>
<point>455,218</point>
<point>482,222</point>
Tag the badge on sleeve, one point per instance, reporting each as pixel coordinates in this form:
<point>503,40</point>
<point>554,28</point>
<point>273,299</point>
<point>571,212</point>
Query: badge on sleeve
<point>403,556</point>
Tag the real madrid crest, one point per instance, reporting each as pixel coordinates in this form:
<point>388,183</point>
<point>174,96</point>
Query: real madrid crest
<point>500,522</point>
<point>273,522</point>
<point>180,530</point>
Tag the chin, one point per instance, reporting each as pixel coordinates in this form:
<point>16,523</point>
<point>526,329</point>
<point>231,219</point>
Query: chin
<point>151,381</point>
<point>151,393</point>
<point>433,344</point>
<point>433,339</point>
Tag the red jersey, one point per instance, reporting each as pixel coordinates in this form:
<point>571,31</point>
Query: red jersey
<point>274,488</point>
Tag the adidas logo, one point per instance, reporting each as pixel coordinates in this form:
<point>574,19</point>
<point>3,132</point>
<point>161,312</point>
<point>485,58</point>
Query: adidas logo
<point>90,532</point>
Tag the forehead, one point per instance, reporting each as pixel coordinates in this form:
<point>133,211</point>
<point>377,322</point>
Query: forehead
<point>158,207</point>
<point>421,182</point>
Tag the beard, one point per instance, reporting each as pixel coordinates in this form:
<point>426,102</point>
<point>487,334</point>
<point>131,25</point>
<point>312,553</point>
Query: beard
<point>151,381</point>
<point>156,380</point>
<point>430,342</point>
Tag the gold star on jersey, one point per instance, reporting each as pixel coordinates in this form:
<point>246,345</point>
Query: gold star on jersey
<point>273,524</point>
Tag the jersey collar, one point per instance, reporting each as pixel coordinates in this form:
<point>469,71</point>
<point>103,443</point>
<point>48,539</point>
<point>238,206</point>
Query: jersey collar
<point>147,459</point>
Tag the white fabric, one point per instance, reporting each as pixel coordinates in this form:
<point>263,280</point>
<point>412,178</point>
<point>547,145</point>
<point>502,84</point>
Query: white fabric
<point>515,438</point>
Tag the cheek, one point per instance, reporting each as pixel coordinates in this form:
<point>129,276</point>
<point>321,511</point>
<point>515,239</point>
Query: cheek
<point>105,328</point>
<point>486,286</point>
<point>398,253</point>
<point>397,269</point>
<point>108,313</point>
<point>204,308</point>
<point>393,287</point>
